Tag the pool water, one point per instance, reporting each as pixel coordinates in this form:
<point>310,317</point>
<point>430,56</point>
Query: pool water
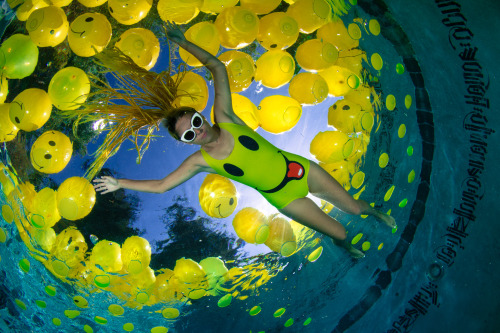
<point>429,164</point>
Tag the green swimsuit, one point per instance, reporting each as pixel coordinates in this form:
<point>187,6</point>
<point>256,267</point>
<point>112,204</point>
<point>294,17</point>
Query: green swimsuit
<point>279,176</point>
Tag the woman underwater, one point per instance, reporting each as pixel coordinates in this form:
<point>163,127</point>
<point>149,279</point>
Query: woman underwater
<point>232,149</point>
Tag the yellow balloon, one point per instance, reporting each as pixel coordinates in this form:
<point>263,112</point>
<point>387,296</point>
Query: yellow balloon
<point>24,192</point>
<point>281,236</point>
<point>191,277</point>
<point>341,171</point>
<point>205,35</point>
<point>240,69</point>
<point>75,198</point>
<point>92,3</point>
<point>69,247</point>
<point>217,6</point>
<point>238,27</point>
<point>44,210</point>
<point>260,7</point>
<point>29,6</point>
<point>129,12</point>
<point>352,60</point>
<point>69,88</point>
<point>278,113</point>
<point>141,45</point>
<point>179,11</point>
<point>308,88</point>
<point>47,26</point>
<point>316,55</point>
<point>107,255</point>
<point>8,180</point>
<point>251,225</point>
<point>4,89</point>
<point>60,3</point>
<point>192,91</point>
<point>245,109</point>
<point>166,286</point>
<point>310,14</point>
<point>359,150</point>
<point>216,272</point>
<point>136,254</point>
<point>331,146</point>
<point>144,280</point>
<point>31,109</point>
<point>348,117</point>
<point>336,33</point>
<point>275,68</point>
<point>8,130</point>
<point>46,238</point>
<point>18,57</point>
<point>89,34</point>
<point>277,31</point>
<point>51,152</point>
<point>218,196</point>
<point>340,80</point>
<point>365,96</point>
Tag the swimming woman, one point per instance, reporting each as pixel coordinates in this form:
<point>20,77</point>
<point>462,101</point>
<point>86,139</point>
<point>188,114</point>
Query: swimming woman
<point>232,149</point>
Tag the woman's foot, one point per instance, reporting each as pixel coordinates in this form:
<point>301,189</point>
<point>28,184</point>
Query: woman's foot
<point>354,252</point>
<point>386,219</point>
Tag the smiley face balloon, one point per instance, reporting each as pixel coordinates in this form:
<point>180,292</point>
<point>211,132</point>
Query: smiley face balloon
<point>51,152</point>
<point>129,11</point>
<point>68,88</point>
<point>47,26</point>
<point>89,31</point>
<point>141,45</point>
<point>218,196</point>
<point>31,109</point>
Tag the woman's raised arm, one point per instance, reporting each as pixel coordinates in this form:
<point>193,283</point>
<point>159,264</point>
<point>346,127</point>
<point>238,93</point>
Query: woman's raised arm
<point>223,109</point>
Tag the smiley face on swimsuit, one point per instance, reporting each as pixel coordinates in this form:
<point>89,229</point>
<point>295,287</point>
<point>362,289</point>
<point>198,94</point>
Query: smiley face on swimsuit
<point>88,32</point>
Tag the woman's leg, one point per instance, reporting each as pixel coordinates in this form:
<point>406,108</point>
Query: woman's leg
<point>324,186</point>
<point>306,212</point>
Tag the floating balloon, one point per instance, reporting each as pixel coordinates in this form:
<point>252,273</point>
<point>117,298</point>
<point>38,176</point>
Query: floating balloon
<point>217,6</point>
<point>359,150</point>
<point>92,3</point>
<point>278,113</point>
<point>51,152</point>
<point>341,171</point>
<point>8,130</point>
<point>237,27</point>
<point>275,68</point>
<point>347,117</point>
<point>4,88</point>
<point>136,254</point>
<point>143,283</point>
<point>352,60</point>
<point>31,109</point>
<point>107,255</point>
<point>281,236</point>
<point>310,14</point>
<point>251,226</point>
<point>336,33</point>
<point>191,277</point>
<point>69,250</point>
<point>141,45</point>
<point>8,180</point>
<point>179,11</point>
<point>331,146</point>
<point>89,34</point>
<point>46,238</point>
<point>47,26</point>
<point>166,286</point>
<point>218,196</point>
<point>308,88</point>
<point>240,69</point>
<point>192,91</point>
<point>216,273</point>
<point>75,198</point>
<point>19,58</point>
<point>205,35</point>
<point>316,55</point>
<point>29,6</point>
<point>340,80</point>
<point>244,108</point>
<point>24,193</point>
<point>44,209</point>
<point>277,31</point>
<point>129,12</point>
<point>69,88</point>
<point>260,7</point>
<point>365,96</point>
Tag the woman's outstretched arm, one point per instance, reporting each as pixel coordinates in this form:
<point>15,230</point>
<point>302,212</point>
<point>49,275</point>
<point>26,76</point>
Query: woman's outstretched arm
<point>223,109</point>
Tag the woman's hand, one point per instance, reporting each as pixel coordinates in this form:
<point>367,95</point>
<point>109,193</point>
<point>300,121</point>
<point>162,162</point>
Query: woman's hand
<point>174,33</point>
<point>106,184</point>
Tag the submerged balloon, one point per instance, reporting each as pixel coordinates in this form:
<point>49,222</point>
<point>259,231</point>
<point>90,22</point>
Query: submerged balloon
<point>141,45</point>
<point>336,33</point>
<point>46,238</point>
<point>245,110</point>
<point>281,236</point>
<point>277,31</point>
<point>310,14</point>
<point>129,12</point>
<point>191,277</point>
<point>18,57</point>
<point>107,255</point>
<point>4,88</point>
<point>331,146</point>
<point>136,254</point>
<point>275,68</point>
<point>92,3</point>
<point>316,55</point>
<point>240,69</point>
<point>251,225</point>
<point>308,88</point>
<point>278,113</point>
<point>75,198</point>
<point>68,88</point>
<point>216,273</point>
<point>218,196</point>
<point>44,209</point>
<point>31,109</point>
<point>192,91</point>
<point>89,34</point>
<point>48,26</point>
<point>260,7</point>
<point>51,152</point>
<point>8,130</point>
<point>29,6</point>
<point>205,35</point>
<point>179,11</point>
<point>340,80</point>
<point>69,250</point>
<point>237,27</point>
<point>217,6</point>
<point>348,117</point>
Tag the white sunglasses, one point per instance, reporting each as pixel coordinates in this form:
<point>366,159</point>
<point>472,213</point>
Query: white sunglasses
<point>196,122</point>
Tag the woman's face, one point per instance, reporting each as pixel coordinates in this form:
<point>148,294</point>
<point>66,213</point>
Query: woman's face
<point>193,129</point>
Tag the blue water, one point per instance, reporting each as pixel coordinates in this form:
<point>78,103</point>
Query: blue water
<point>391,290</point>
